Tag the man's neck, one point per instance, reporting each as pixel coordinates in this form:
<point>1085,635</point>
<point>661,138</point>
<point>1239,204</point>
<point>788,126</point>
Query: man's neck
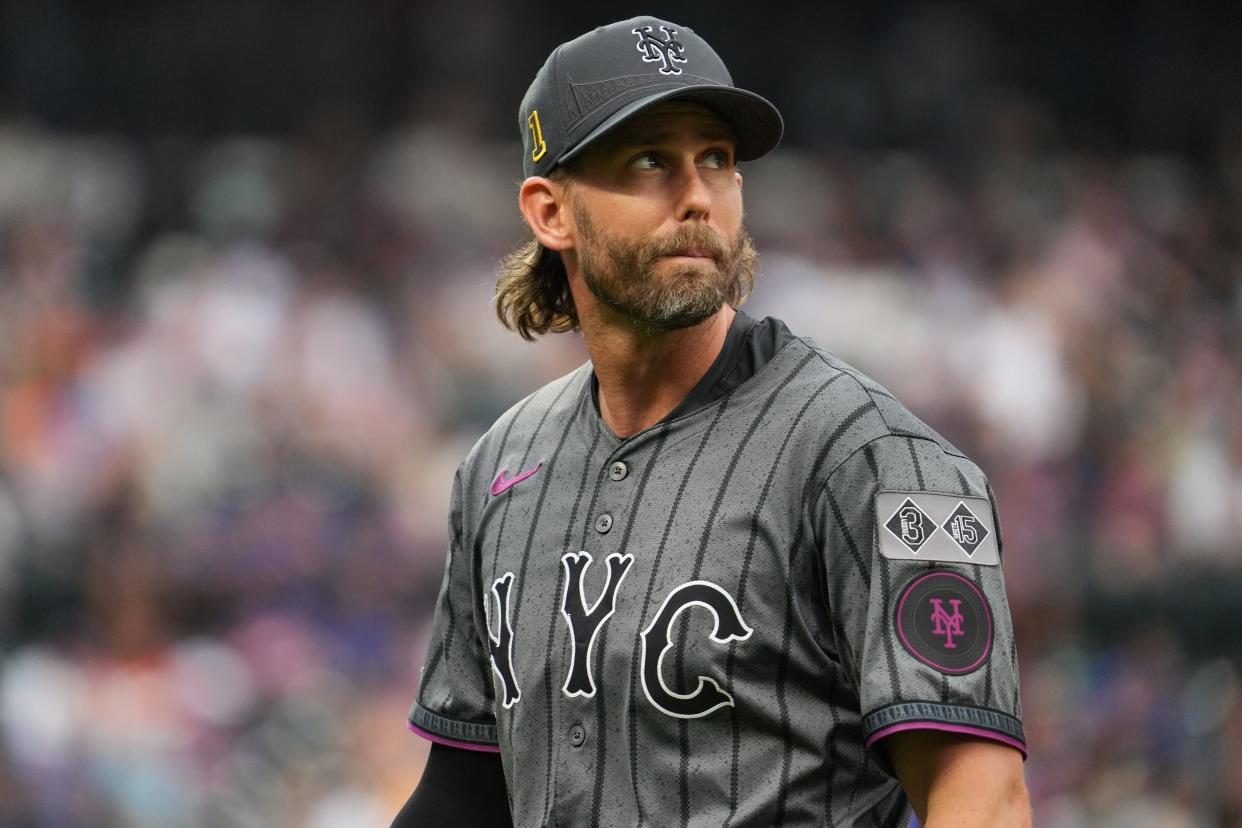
<point>643,374</point>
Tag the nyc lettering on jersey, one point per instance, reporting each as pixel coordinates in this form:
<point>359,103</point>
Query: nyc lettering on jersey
<point>656,640</point>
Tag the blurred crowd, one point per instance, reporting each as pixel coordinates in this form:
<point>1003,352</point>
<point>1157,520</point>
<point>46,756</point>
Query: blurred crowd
<point>237,373</point>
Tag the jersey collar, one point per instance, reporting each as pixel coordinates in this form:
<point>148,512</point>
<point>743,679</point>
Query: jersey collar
<point>749,345</point>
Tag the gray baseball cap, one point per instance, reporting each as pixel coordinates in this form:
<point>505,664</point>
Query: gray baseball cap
<point>594,82</point>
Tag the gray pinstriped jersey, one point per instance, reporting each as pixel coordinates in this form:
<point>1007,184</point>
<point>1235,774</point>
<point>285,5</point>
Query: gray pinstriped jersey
<point>707,623</point>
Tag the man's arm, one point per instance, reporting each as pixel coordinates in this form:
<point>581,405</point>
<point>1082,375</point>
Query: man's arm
<point>960,781</point>
<point>463,788</point>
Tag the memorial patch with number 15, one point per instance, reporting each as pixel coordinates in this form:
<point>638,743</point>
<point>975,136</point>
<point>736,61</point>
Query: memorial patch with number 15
<point>919,526</point>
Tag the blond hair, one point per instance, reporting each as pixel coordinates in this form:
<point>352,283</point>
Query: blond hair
<point>532,292</point>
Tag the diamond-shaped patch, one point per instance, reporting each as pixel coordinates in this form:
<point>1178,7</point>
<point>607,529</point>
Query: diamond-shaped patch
<point>910,525</point>
<point>966,530</point>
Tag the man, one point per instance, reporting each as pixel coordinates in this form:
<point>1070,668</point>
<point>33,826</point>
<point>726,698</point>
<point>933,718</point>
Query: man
<point>715,576</point>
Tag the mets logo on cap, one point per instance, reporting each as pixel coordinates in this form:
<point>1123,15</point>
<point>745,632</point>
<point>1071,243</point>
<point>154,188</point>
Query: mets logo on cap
<point>668,52</point>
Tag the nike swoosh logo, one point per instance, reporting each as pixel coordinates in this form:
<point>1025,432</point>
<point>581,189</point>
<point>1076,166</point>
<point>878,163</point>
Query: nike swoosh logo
<point>502,483</point>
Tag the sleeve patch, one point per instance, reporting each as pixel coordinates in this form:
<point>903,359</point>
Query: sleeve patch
<point>945,621</point>
<point>917,526</point>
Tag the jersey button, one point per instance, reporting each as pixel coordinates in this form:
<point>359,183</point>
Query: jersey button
<point>577,735</point>
<point>603,523</point>
<point>618,471</point>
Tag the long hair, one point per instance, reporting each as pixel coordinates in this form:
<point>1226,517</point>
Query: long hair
<point>532,292</point>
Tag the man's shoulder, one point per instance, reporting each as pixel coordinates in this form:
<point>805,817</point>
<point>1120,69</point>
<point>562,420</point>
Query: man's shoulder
<point>544,411</point>
<point>852,409</point>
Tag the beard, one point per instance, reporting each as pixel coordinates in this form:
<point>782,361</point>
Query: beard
<point>629,277</point>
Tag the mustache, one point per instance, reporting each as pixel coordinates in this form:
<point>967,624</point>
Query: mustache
<point>696,237</point>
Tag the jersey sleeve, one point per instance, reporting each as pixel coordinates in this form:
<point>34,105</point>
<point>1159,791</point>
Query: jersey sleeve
<point>911,548</point>
<point>455,704</point>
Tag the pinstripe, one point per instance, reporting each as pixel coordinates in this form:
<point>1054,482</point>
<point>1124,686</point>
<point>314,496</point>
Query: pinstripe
<point>977,576</point>
<point>683,782</point>
<point>782,670</point>
<point>869,454</point>
<point>1013,660</point>
<point>599,482</point>
<point>830,782</point>
<point>745,574</point>
<point>855,778</point>
<point>438,653</point>
<point>918,472</point>
<point>519,585</point>
<point>601,743</point>
<point>590,510</point>
<point>552,616</point>
<point>684,725</point>
<point>846,535</point>
<point>962,482</point>
<point>835,619</point>
<point>783,664</point>
<point>433,663</point>
<point>515,600</point>
<point>655,568</point>
<point>918,467</point>
<point>504,512</point>
<point>581,544</point>
<point>890,651</point>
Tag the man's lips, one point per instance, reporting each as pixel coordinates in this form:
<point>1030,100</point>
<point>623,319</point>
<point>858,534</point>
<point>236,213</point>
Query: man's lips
<point>691,253</point>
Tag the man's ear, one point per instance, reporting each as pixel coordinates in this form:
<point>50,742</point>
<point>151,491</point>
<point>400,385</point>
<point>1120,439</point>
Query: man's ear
<point>544,205</point>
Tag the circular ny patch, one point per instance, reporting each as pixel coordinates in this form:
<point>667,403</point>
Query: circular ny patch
<point>944,621</point>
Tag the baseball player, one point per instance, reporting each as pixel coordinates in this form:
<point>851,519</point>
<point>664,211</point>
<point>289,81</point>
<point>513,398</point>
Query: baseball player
<point>715,576</point>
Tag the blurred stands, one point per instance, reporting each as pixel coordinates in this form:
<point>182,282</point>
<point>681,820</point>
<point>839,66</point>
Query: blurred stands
<point>238,368</point>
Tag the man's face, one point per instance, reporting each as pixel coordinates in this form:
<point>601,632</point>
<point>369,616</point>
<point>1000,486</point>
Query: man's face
<point>657,207</point>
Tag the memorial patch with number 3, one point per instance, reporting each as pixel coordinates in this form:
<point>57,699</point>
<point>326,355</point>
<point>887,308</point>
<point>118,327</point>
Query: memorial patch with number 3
<point>919,526</point>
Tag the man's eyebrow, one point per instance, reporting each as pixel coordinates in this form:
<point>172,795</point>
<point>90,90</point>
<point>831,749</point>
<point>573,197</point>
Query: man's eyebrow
<point>638,134</point>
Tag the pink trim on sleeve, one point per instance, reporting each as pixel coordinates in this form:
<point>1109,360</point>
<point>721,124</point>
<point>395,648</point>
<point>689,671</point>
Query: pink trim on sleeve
<point>440,740</point>
<point>950,728</point>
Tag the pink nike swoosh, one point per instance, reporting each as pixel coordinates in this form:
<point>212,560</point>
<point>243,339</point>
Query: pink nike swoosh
<point>501,483</point>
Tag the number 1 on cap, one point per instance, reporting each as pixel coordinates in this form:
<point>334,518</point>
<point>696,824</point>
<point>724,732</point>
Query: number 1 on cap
<point>537,144</point>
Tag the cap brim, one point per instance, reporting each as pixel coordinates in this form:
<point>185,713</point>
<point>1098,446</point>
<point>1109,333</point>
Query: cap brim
<point>756,123</point>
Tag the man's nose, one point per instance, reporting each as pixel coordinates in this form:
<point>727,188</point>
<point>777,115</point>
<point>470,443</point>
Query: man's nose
<point>695,197</point>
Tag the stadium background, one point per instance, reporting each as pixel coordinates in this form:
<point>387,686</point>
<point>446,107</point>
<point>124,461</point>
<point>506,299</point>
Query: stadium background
<point>246,254</point>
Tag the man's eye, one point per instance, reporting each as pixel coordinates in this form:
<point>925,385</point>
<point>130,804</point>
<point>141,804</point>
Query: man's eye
<point>716,160</point>
<point>646,161</point>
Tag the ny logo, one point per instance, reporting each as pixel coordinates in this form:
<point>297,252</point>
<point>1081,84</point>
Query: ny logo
<point>666,52</point>
<point>500,646</point>
<point>946,624</point>
<point>584,623</point>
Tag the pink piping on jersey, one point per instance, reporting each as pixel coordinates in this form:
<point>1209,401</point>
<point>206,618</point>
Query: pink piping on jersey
<point>987,611</point>
<point>969,731</point>
<point>440,740</point>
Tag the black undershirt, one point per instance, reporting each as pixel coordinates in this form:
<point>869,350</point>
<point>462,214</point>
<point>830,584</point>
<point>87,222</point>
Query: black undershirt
<point>461,788</point>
